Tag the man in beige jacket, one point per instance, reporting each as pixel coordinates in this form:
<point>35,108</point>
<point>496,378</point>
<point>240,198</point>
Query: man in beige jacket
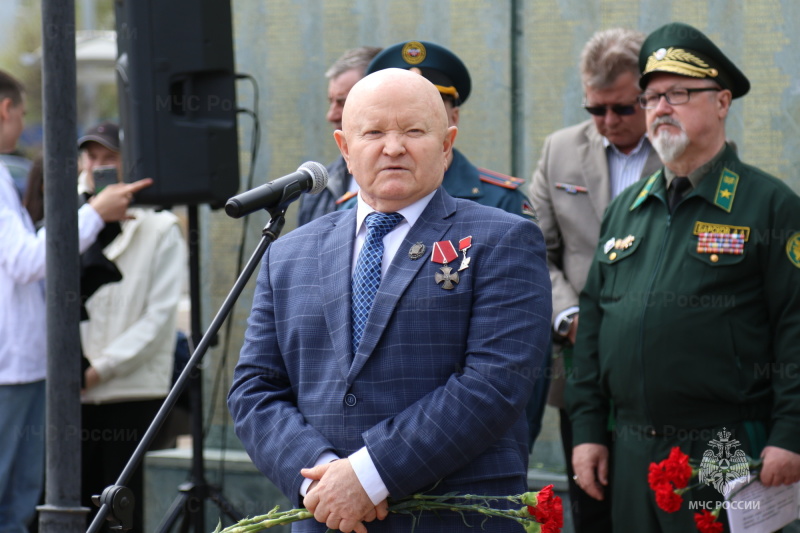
<point>581,169</point>
<point>129,339</point>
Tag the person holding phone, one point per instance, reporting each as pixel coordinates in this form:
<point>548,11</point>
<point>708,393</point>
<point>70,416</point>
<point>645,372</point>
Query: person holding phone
<point>129,338</point>
<point>23,351</point>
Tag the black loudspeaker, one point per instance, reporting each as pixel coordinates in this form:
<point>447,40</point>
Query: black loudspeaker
<point>177,99</point>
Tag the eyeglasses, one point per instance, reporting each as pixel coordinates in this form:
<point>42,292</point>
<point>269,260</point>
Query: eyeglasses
<point>601,110</point>
<point>673,96</point>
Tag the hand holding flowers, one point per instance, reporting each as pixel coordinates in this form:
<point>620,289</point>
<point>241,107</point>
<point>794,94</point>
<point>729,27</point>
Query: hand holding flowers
<point>541,512</point>
<point>669,479</point>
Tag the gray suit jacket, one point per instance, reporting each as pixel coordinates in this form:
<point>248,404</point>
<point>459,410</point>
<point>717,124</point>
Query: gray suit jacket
<point>570,221</point>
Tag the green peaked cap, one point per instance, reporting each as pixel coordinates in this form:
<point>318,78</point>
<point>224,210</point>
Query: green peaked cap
<point>680,49</point>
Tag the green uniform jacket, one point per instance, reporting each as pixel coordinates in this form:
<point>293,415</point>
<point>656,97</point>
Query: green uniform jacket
<point>680,338</point>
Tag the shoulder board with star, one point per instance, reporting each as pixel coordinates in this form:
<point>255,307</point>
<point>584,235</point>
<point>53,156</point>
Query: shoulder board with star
<point>726,189</point>
<point>501,180</point>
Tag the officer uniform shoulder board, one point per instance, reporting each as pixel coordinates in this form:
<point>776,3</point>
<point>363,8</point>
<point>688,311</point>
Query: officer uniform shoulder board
<point>648,186</point>
<point>346,196</point>
<point>726,190</point>
<point>501,180</point>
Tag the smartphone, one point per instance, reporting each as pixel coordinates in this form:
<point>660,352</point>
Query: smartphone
<point>104,176</point>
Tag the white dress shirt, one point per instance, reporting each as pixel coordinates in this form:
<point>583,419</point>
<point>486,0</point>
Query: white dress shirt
<point>23,332</point>
<point>626,169</point>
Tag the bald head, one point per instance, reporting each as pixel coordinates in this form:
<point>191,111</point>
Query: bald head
<point>395,87</point>
<point>395,138</point>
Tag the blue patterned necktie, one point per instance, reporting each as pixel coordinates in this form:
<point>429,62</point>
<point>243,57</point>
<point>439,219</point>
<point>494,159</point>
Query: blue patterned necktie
<point>367,275</point>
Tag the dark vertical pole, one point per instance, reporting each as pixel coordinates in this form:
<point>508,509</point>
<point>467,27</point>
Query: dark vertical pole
<point>196,503</point>
<point>62,512</point>
<point>518,53</point>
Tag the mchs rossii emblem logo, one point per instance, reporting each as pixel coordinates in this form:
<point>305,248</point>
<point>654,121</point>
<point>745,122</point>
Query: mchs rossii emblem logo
<point>726,467</point>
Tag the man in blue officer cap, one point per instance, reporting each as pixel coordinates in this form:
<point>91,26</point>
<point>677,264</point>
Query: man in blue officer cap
<point>449,74</point>
<point>463,179</point>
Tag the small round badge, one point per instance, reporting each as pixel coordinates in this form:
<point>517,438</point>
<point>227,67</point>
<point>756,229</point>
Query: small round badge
<point>413,52</point>
<point>793,249</point>
<point>416,251</point>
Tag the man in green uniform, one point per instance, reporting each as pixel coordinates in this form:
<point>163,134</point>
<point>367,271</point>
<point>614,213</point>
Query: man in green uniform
<point>690,317</point>
<point>451,77</point>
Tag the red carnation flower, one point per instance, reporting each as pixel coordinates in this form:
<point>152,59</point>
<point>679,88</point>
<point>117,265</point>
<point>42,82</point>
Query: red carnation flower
<point>674,471</point>
<point>667,500</point>
<point>677,468</point>
<point>548,511</point>
<point>707,522</point>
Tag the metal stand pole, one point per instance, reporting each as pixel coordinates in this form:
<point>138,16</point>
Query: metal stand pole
<point>62,511</point>
<point>113,500</point>
<point>192,495</point>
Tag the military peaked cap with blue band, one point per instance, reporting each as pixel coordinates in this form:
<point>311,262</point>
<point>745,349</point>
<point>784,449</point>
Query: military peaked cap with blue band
<point>436,63</point>
<point>680,49</point>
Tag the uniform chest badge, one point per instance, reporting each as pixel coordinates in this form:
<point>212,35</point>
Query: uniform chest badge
<point>793,249</point>
<point>571,189</point>
<point>464,245</point>
<point>624,244</point>
<point>720,243</point>
<point>416,251</point>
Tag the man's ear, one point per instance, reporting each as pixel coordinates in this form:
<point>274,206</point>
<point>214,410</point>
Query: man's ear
<point>724,99</point>
<point>449,140</point>
<point>454,115</point>
<point>341,142</point>
<point>5,106</point>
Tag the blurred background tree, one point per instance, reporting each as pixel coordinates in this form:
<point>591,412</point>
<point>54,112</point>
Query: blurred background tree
<point>20,55</point>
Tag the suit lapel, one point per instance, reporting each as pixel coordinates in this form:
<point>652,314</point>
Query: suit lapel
<point>595,171</point>
<point>335,266</point>
<point>429,228</point>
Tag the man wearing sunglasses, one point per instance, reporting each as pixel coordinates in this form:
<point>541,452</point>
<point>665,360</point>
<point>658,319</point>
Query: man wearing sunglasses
<point>581,169</point>
<point>690,317</point>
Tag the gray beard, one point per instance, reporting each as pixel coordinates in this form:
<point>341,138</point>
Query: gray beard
<point>670,147</point>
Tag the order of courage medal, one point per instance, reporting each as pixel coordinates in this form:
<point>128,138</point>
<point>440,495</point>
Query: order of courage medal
<point>443,253</point>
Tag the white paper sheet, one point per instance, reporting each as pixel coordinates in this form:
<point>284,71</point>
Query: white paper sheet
<point>760,509</point>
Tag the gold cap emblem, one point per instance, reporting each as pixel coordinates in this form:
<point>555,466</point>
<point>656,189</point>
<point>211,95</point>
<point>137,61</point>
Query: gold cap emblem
<point>679,61</point>
<point>413,52</point>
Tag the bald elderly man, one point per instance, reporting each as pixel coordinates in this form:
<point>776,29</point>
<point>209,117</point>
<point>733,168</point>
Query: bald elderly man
<point>344,403</point>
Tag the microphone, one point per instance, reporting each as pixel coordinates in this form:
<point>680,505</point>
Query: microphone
<point>311,177</point>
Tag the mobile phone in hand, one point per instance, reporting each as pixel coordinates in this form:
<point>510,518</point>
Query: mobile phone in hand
<point>104,176</point>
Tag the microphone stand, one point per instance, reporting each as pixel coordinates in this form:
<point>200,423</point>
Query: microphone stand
<point>116,502</point>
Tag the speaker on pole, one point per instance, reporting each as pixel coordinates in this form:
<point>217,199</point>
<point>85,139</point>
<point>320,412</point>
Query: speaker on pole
<point>177,99</point>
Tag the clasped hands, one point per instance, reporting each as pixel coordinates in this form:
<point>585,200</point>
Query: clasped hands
<point>338,500</point>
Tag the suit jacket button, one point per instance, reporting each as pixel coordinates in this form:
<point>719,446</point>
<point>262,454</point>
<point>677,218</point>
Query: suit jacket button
<point>350,400</point>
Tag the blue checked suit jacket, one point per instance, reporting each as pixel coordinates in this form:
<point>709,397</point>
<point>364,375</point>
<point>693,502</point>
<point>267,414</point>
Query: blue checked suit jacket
<point>441,378</point>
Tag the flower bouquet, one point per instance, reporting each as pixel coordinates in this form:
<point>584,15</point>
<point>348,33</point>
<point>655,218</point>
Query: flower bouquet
<point>669,479</point>
<point>542,511</point>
